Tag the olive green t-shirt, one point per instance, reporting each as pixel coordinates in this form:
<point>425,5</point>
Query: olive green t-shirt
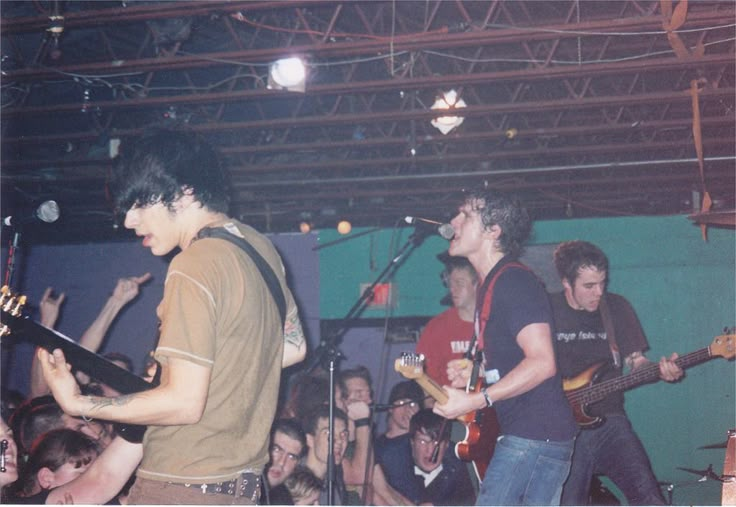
<point>217,312</point>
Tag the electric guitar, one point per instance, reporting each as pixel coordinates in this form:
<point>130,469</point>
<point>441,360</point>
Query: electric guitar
<point>14,324</point>
<point>481,426</point>
<point>585,388</point>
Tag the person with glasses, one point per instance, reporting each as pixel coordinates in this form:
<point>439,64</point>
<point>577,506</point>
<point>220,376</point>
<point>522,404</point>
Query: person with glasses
<point>392,448</point>
<point>439,477</point>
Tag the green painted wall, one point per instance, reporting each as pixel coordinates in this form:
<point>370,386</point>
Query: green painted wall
<point>681,287</point>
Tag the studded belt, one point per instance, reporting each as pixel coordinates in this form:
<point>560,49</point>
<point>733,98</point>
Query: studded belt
<point>247,484</point>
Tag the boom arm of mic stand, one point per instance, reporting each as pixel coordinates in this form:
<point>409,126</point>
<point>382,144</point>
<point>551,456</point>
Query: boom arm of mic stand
<point>328,347</point>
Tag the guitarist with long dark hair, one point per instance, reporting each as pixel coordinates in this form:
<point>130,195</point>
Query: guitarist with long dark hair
<point>593,327</point>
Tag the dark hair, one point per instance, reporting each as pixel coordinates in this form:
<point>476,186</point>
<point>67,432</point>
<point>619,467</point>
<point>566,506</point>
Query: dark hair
<point>357,372</point>
<point>430,423</point>
<point>33,418</point>
<point>162,165</point>
<point>307,393</point>
<point>572,256</point>
<point>506,211</point>
<point>292,429</point>
<point>55,448</point>
<point>407,389</point>
<point>311,419</point>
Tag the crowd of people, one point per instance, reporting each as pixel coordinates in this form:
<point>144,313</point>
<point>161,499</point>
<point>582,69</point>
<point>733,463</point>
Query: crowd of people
<point>202,434</point>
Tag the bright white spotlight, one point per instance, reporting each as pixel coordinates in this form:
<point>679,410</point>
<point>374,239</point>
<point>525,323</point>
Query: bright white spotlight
<point>287,74</point>
<point>448,101</point>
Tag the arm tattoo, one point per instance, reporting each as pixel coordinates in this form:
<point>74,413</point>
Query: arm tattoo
<point>293,333</point>
<point>99,402</point>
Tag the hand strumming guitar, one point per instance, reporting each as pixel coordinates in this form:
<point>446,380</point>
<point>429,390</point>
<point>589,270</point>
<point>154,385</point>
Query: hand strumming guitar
<point>459,402</point>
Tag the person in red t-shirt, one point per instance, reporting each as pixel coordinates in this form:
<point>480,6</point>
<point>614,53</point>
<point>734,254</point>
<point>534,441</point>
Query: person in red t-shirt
<point>447,336</point>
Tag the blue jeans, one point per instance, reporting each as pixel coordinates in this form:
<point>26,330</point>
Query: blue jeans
<point>526,472</point>
<point>614,450</point>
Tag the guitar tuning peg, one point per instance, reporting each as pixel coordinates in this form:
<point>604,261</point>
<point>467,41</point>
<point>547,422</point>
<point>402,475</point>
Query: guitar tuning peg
<point>19,306</point>
<point>4,293</point>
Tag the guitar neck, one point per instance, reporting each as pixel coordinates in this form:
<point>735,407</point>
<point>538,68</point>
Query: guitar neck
<point>93,365</point>
<point>432,388</point>
<point>644,375</point>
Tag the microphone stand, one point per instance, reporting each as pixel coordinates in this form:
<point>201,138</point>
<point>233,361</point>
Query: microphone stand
<point>12,252</point>
<point>328,354</point>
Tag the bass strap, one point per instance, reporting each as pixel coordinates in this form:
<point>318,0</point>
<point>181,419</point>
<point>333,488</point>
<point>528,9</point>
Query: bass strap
<point>267,273</point>
<point>610,331</point>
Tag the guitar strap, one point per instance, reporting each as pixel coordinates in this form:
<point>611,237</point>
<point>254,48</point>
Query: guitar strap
<point>610,331</point>
<point>266,272</point>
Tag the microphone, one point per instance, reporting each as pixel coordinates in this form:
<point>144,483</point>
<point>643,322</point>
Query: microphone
<point>47,212</point>
<point>444,230</point>
<point>378,407</point>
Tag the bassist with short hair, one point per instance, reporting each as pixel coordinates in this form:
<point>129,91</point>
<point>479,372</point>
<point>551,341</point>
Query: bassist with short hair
<point>591,328</point>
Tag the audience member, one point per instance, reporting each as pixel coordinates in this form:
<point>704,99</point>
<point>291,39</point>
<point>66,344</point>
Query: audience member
<point>288,445</point>
<point>39,415</point>
<point>308,391</point>
<point>354,395</point>
<point>304,487</point>
<point>440,477</point>
<point>405,401</point>
<point>11,399</point>
<point>125,291</point>
<point>65,466</point>
<point>316,425</point>
<point>8,459</point>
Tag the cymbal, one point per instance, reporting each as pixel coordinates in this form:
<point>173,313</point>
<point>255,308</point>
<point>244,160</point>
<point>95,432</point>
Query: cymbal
<point>721,445</point>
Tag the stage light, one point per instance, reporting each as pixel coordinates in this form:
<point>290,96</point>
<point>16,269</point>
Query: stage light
<point>344,227</point>
<point>287,74</point>
<point>448,101</point>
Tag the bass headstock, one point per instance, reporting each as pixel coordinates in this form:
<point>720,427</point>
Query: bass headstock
<point>724,345</point>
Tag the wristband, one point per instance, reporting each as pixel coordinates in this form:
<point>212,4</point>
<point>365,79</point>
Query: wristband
<point>362,422</point>
<point>489,401</point>
<point>133,433</point>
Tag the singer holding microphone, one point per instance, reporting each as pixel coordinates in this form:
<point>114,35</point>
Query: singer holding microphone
<point>513,326</point>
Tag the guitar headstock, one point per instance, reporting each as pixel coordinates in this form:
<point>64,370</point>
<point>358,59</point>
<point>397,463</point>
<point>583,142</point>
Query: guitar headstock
<point>11,304</point>
<point>724,345</point>
<point>410,365</point>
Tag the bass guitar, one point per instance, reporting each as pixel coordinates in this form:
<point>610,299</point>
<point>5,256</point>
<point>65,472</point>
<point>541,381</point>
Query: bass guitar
<point>586,387</point>
<point>20,327</point>
<point>481,426</point>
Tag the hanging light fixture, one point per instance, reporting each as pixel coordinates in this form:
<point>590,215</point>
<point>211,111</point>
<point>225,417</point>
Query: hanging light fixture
<point>287,74</point>
<point>448,101</point>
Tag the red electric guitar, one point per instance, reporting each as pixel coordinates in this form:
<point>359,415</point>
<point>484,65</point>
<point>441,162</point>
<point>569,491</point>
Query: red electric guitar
<point>481,426</point>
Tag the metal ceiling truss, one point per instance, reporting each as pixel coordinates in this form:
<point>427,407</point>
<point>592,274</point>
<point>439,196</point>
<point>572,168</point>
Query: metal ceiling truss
<point>582,107</point>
